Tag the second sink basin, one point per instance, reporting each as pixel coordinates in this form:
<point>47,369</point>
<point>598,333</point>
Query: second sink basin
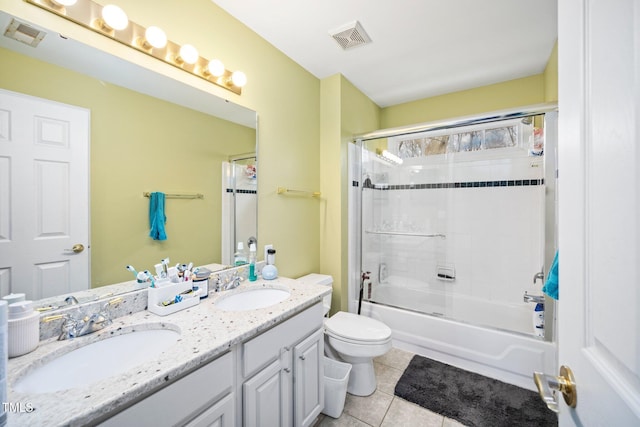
<point>96,361</point>
<point>252,298</point>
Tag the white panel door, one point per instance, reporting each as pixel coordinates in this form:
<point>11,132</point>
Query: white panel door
<point>44,196</point>
<point>599,209</point>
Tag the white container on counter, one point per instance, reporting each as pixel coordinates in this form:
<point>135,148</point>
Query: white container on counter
<point>24,328</point>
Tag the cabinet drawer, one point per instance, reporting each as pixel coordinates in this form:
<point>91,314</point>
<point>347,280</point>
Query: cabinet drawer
<point>265,348</point>
<point>182,399</point>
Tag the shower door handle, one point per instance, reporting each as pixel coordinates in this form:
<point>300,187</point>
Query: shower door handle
<point>565,384</point>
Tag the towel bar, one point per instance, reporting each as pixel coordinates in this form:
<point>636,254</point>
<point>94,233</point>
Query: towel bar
<point>283,190</point>
<point>177,195</point>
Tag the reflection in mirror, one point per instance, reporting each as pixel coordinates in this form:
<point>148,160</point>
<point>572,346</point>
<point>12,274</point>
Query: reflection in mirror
<point>239,204</point>
<point>147,133</point>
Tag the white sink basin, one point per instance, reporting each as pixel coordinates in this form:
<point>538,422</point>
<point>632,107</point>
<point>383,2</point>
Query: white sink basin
<point>251,299</point>
<point>96,361</point>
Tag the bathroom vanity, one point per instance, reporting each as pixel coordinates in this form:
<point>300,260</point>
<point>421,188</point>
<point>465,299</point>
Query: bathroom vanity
<point>258,367</point>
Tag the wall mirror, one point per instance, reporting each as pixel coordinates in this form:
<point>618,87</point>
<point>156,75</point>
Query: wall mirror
<point>148,133</point>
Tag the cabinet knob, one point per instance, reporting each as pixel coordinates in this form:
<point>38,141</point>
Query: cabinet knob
<point>302,357</point>
<point>287,370</point>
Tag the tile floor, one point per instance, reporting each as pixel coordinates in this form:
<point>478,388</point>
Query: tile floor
<point>382,408</point>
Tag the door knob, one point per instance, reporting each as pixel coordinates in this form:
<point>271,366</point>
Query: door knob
<point>565,384</point>
<point>77,248</point>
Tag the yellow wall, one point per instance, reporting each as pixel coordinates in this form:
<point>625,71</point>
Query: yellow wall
<point>286,97</point>
<point>345,111</point>
<point>139,143</point>
<point>513,93</point>
<point>296,148</point>
<point>551,76</point>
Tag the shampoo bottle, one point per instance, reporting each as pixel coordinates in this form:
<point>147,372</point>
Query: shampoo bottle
<point>538,320</point>
<point>252,263</point>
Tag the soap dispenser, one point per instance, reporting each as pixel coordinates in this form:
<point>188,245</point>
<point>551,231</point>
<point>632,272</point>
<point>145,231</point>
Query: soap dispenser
<point>269,271</point>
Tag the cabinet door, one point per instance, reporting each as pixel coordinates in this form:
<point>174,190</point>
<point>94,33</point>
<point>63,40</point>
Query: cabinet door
<point>308,379</point>
<point>222,414</point>
<point>265,396</point>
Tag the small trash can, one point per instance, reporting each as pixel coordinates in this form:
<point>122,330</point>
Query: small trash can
<point>336,379</point>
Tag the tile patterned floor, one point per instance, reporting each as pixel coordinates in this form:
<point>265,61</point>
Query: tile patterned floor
<point>382,408</point>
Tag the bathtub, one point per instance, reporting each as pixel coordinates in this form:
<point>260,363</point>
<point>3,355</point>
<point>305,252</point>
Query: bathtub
<point>490,350</point>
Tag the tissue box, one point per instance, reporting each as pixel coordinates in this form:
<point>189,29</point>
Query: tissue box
<point>168,293</point>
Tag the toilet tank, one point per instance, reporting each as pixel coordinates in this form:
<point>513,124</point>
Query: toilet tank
<point>319,279</point>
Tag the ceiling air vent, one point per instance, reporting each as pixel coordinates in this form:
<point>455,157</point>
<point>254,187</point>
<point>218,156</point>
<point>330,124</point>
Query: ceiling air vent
<point>24,33</point>
<point>350,35</point>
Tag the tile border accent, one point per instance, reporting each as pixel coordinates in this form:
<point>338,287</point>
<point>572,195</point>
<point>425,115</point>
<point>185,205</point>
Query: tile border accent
<point>230,190</point>
<point>467,184</point>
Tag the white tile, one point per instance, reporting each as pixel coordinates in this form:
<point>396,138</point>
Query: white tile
<point>405,414</point>
<point>396,358</point>
<point>345,420</point>
<point>387,377</point>
<point>370,409</point>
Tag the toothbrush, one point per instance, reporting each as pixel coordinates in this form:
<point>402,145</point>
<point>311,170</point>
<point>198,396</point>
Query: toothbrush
<point>133,270</point>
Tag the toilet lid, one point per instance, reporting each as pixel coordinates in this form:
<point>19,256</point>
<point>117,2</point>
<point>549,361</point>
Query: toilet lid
<point>354,327</point>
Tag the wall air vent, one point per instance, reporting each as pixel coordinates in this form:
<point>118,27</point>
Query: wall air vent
<point>24,33</point>
<point>350,35</point>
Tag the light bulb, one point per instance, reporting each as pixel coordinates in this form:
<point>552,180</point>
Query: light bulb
<point>155,37</point>
<point>215,67</point>
<point>64,2</point>
<point>114,17</point>
<point>189,54</point>
<point>238,78</point>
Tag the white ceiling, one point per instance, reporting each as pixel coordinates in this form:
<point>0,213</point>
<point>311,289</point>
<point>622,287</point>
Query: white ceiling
<point>419,49</point>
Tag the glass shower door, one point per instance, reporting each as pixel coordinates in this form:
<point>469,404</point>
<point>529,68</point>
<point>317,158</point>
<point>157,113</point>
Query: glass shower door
<point>453,221</point>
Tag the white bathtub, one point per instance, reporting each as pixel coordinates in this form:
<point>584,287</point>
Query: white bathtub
<point>416,296</point>
<point>506,356</point>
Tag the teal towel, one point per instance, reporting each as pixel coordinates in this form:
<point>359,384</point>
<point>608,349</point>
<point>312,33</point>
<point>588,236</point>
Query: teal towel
<point>157,217</point>
<point>551,285</point>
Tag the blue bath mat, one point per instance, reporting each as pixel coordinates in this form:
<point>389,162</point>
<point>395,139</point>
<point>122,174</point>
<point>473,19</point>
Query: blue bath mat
<point>470,398</point>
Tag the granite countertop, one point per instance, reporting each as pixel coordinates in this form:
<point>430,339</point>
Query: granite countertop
<point>206,332</point>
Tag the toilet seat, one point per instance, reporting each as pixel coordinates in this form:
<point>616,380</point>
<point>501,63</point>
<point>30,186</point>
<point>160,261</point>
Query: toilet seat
<point>356,329</point>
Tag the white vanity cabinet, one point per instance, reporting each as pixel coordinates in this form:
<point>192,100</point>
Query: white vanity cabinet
<point>282,373</point>
<point>204,397</point>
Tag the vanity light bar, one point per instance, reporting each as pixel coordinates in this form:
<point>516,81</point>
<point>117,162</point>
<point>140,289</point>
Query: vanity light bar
<point>90,15</point>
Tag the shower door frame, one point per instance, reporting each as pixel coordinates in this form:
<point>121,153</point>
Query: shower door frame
<point>550,113</point>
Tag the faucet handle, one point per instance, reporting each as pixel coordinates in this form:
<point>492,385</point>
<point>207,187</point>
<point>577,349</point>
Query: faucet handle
<point>69,328</point>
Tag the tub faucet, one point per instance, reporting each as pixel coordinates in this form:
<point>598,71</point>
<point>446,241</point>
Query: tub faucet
<point>538,275</point>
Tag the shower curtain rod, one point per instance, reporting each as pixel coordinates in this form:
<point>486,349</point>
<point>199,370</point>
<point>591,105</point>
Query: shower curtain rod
<point>495,116</point>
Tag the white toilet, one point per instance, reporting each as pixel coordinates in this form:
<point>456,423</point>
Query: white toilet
<point>355,339</point>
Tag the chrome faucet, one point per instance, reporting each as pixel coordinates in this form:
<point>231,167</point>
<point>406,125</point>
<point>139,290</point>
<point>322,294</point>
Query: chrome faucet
<point>233,283</point>
<point>533,298</point>
<point>538,275</point>
<point>83,324</point>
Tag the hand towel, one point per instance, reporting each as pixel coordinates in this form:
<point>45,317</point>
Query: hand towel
<point>551,285</point>
<point>157,217</point>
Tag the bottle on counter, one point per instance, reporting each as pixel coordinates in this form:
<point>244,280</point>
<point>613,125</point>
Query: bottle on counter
<point>252,263</point>
<point>240,257</point>
<point>269,271</point>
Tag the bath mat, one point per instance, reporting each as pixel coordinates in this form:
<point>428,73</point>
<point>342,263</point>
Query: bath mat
<point>470,398</point>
